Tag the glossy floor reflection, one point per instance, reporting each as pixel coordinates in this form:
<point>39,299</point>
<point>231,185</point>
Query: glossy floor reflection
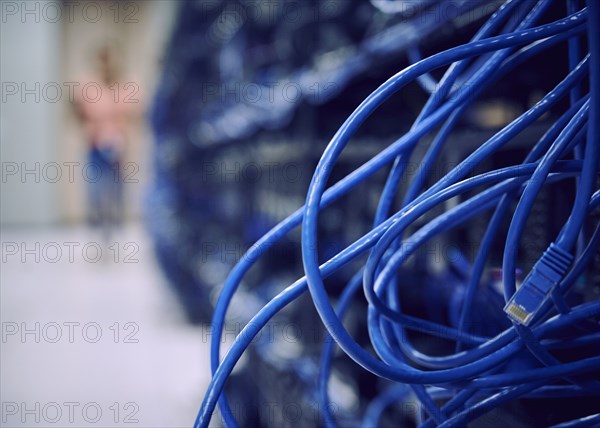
<point>94,341</point>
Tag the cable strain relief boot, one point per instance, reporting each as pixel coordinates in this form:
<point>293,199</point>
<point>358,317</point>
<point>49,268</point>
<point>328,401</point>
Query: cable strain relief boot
<point>547,273</point>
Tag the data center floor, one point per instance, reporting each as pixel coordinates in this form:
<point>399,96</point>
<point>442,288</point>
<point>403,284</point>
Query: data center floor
<point>155,368</point>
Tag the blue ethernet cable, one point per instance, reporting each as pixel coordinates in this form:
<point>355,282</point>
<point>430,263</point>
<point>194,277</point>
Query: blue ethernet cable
<point>554,264</point>
<point>573,58</point>
<point>524,310</point>
<point>551,268</point>
<point>586,422</point>
<point>574,51</point>
<point>248,334</point>
<point>415,212</point>
<point>428,162</point>
<point>344,185</point>
<point>343,301</point>
<point>379,404</point>
<point>485,150</point>
<point>585,187</point>
<point>472,205</point>
<point>488,148</point>
<point>590,307</point>
<point>546,373</point>
<point>522,307</point>
<point>489,403</point>
<point>328,347</point>
<point>476,87</point>
<point>296,289</point>
<point>501,210</point>
<point>406,345</point>
<point>291,293</point>
<point>277,304</point>
<point>398,257</point>
<point>531,376</point>
<point>583,260</point>
<point>497,350</point>
<point>445,86</point>
<point>477,80</point>
<point>450,77</point>
<point>323,169</point>
<point>460,213</point>
<point>427,82</point>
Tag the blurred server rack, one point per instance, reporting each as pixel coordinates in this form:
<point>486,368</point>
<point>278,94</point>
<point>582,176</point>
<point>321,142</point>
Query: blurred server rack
<point>251,93</point>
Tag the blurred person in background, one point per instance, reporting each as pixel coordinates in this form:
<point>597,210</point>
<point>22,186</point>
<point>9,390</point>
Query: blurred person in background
<point>105,113</point>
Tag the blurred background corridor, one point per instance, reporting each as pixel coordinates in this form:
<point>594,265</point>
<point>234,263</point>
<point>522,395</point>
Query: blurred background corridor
<point>87,317</point>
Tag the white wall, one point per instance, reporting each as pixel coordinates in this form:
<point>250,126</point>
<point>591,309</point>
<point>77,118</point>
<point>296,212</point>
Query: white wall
<point>29,55</point>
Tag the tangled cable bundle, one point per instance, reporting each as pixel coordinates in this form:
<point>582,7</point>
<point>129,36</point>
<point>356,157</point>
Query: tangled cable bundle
<point>455,389</point>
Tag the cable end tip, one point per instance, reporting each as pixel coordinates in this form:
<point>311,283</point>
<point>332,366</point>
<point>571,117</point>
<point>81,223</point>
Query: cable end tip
<point>518,313</point>
<point>544,277</point>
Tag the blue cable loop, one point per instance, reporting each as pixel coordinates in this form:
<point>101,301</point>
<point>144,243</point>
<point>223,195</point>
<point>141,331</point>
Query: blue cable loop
<point>335,192</point>
<point>477,379</point>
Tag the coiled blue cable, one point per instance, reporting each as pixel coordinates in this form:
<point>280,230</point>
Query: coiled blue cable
<point>481,365</point>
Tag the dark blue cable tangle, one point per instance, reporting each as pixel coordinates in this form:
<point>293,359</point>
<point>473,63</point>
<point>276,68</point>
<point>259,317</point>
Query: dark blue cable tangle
<point>483,363</point>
